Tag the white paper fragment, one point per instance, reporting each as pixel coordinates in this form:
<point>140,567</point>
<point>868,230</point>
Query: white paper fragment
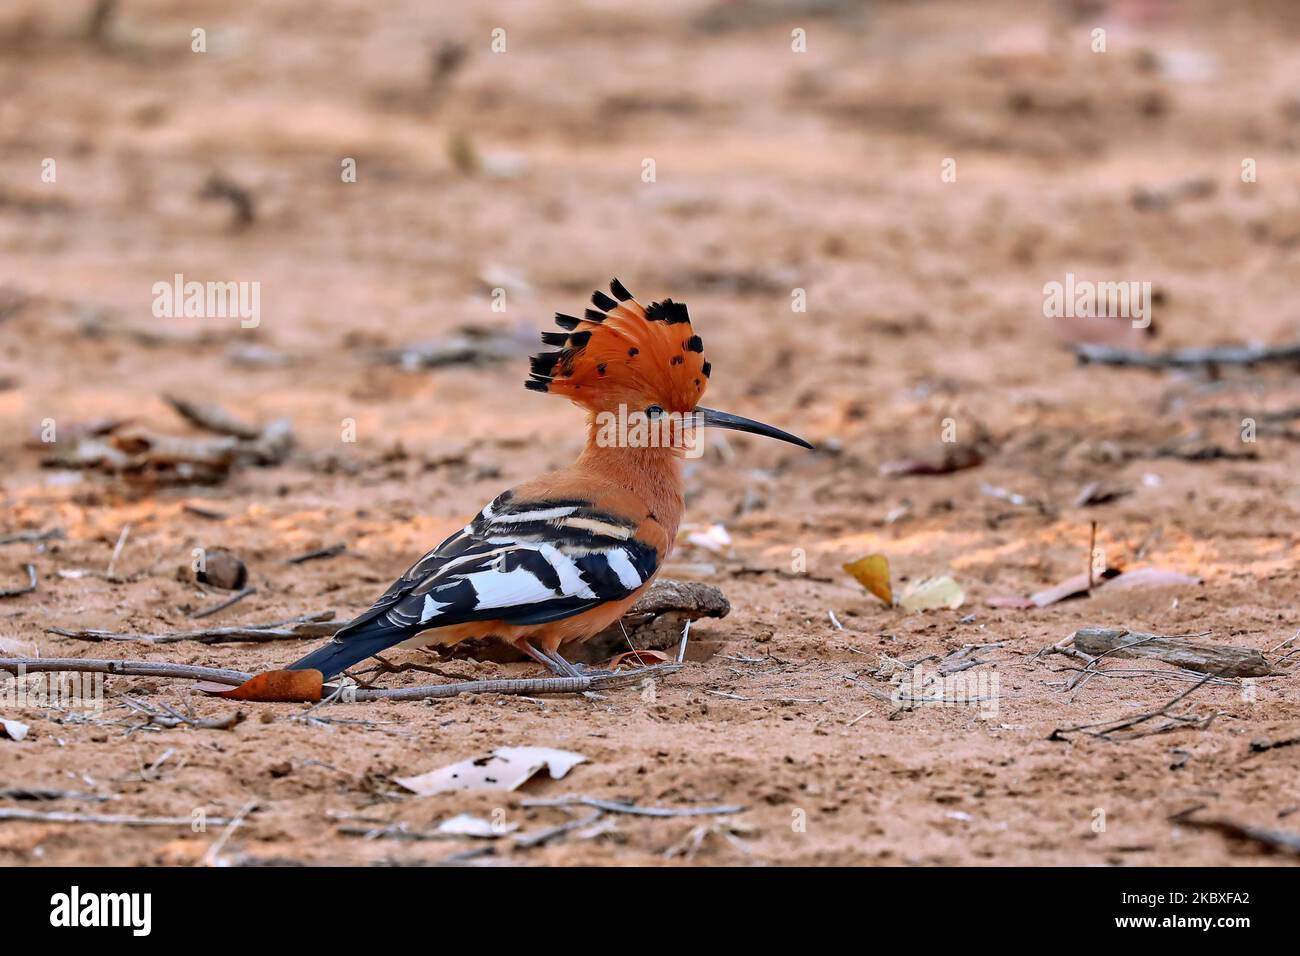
<point>506,768</point>
<point>466,824</point>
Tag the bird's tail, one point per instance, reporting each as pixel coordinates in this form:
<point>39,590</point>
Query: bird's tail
<point>351,645</point>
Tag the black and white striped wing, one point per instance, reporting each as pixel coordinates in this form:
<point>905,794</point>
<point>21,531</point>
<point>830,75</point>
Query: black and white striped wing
<point>523,563</point>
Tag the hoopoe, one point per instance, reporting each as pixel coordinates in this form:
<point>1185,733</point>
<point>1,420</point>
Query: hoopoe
<point>563,556</point>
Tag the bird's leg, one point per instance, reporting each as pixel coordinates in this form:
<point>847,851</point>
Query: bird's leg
<point>551,659</point>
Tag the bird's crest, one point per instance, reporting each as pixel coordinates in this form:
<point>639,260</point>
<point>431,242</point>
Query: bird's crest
<point>621,351</point>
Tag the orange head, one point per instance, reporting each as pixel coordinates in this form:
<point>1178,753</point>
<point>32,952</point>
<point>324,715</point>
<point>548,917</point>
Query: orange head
<point>621,353</point>
<point>622,356</point>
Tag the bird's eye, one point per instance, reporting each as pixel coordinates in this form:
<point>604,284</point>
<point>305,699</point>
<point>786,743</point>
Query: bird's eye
<point>654,411</point>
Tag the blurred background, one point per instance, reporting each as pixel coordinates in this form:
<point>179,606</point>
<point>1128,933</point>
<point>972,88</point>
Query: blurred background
<point>515,160</point>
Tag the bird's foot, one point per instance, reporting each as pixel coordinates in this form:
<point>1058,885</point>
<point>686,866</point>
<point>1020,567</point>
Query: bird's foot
<point>553,661</point>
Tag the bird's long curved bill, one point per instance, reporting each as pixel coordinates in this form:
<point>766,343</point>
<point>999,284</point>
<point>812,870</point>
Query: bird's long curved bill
<point>711,416</point>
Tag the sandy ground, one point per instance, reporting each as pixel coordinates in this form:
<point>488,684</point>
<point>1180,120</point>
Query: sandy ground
<point>774,171</point>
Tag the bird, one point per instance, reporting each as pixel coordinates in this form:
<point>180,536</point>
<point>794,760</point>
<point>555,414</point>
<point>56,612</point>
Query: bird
<point>561,557</point>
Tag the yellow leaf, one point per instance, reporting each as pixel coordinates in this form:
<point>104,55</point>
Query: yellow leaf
<point>930,593</point>
<point>872,572</point>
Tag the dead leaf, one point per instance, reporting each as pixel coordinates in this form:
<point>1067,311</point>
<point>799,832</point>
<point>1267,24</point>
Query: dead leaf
<point>1071,586</point>
<point>930,593</point>
<point>1012,601</point>
<point>506,768</point>
<point>271,687</point>
<point>466,824</point>
<point>641,658</point>
<point>872,572</point>
<point>13,729</point>
<point>713,538</point>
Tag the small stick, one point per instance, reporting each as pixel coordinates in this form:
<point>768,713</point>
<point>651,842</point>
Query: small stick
<point>28,589</point>
<point>835,620</point>
<point>1092,549</point>
<point>212,418</point>
<point>527,841</point>
<point>233,599</point>
<point>1271,840</point>
<point>64,816</point>
<point>723,693</point>
<point>203,513</point>
<point>212,856</point>
<point>35,536</point>
<point>34,665</point>
<point>1278,647</point>
<point>170,717</point>
<point>613,806</point>
<point>304,627</point>
<point>45,793</point>
<point>681,649</point>
<point>117,550</point>
<point>528,687</point>
<point>1187,358</point>
<point>1124,724</point>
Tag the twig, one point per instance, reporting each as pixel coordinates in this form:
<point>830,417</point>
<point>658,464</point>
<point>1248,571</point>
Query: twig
<point>526,841</point>
<point>1092,549</point>
<point>613,806</point>
<point>64,816</point>
<point>319,553</point>
<point>1111,726</point>
<point>1090,668</point>
<point>34,665</point>
<point>205,513</point>
<point>392,831</point>
<point>233,599</point>
<point>1271,840</point>
<point>35,536</point>
<point>723,693</point>
<point>170,717</point>
<point>681,649</point>
<point>28,589</point>
<point>527,687</point>
<point>46,793</point>
<point>212,857</point>
<point>308,626</point>
<point>1187,358</point>
<point>212,418</point>
<point>117,550</point>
